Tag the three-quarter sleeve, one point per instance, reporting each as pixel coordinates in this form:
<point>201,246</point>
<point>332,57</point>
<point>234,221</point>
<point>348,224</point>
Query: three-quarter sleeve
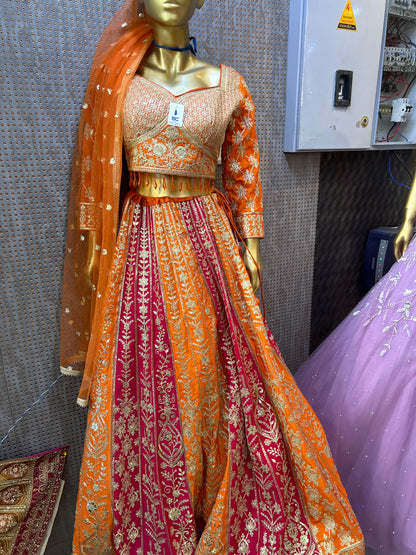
<point>240,168</point>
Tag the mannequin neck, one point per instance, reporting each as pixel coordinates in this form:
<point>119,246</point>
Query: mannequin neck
<point>171,36</point>
<point>170,62</point>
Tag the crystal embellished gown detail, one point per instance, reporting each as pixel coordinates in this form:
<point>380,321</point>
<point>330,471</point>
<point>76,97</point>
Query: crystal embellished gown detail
<point>198,440</point>
<point>362,384</point>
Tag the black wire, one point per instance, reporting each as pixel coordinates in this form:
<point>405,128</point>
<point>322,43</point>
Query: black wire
<point>390,130</point>
<point>402,162</point>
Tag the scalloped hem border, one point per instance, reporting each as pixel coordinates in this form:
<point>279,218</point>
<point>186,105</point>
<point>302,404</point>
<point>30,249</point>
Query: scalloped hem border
<point>69,371</point>
<point>82,402</point>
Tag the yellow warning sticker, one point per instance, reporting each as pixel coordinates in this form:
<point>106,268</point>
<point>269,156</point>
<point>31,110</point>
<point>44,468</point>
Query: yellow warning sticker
<point>347,20</point>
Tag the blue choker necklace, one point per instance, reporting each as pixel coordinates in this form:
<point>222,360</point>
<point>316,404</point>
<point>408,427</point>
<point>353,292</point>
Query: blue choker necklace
<point>191,46</point>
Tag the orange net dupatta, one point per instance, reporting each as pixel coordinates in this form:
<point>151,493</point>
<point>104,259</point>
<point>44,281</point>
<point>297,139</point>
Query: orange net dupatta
<point>95,194</point>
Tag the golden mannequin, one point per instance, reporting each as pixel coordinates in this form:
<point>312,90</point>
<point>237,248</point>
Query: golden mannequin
<point>178,72</point>
<point>406,230</point>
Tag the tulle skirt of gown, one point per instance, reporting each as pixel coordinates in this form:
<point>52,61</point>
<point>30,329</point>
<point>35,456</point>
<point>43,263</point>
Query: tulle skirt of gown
<point>198,440</point>
<point>361,382</point>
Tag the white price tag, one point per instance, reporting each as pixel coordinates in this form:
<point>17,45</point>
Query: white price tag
<point>176,114</point>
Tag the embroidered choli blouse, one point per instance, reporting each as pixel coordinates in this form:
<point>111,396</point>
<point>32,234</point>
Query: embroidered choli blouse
<point>217,121</point>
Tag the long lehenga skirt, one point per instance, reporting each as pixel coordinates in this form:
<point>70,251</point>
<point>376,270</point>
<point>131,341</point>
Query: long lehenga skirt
<point>198,440</point>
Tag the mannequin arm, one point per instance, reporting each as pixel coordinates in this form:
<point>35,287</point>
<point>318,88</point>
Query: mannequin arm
<point>253,251</point>
<point>406,230</point>
<point>91,264</point>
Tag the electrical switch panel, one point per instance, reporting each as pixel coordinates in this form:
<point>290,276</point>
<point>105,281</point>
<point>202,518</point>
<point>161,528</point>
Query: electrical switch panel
<point>399,59</point>
<point>401,109</point>
<point>403,8</point>
<point>397,78</point>
<point>351,80</point>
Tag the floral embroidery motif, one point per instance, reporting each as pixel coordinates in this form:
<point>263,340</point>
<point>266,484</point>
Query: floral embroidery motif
<point>152,509</point>
<point>88,216</point>
<point>15,471</point>
<point>171,154</point>
<point>240,170</point>
<point>28,491</point>
<point>11,495</point>
<point>7,522</point>
<point>397,315</point>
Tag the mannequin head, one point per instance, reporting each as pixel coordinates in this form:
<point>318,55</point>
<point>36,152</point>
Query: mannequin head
<point>170,13</point>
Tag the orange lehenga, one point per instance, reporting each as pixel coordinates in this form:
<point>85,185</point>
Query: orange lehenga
<point>198,440</point>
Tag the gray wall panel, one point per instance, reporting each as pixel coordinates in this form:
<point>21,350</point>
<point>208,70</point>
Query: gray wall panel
<point>356,194</point>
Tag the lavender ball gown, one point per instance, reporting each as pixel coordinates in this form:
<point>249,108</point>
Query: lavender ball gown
<point>361,382</point>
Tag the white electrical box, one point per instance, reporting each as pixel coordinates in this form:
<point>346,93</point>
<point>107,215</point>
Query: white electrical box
<point>351,74</point>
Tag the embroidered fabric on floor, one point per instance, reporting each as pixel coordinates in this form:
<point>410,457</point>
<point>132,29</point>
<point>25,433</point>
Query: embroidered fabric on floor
<point>28,492</point>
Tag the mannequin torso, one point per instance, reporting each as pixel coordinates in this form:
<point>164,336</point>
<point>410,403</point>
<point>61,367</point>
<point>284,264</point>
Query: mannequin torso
<point>189,74</point>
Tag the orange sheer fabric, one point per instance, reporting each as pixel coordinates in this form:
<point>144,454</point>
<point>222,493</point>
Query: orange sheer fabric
<point>96,176</point>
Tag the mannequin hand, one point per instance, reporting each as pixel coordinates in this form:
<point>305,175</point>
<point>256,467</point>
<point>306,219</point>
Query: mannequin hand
<point>253,245</point>
<point>89,270</point>
<point>403,239</point>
